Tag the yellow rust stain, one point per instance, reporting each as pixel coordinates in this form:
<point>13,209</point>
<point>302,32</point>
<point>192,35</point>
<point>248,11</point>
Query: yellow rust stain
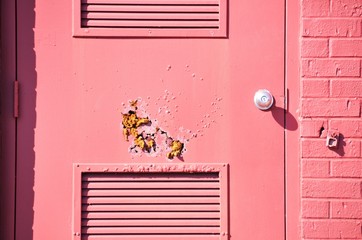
<point>146,142</point>
<point>176,149</point>
<point>130,124</point>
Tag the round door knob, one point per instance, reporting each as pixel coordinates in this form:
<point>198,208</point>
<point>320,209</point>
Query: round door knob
<point>263,99</point>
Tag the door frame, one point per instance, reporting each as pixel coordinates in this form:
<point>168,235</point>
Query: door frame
<point>8,56</point>
<point>292,159</point>
<point>8,75</point>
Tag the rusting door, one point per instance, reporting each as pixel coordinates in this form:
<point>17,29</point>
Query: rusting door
<point>150,90</point>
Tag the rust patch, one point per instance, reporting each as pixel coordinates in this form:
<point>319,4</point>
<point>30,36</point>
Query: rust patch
<point>176,149</point>
<point>150,126</point>
<point>146,141</point>
<point>131,122</point>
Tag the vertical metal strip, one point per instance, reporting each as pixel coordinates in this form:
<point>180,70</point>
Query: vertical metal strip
<point>16,99</point>
<point>16,115</point>
<point>285,118</point>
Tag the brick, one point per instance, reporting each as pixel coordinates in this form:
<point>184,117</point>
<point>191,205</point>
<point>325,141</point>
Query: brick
<point>346,48</point>
<point>346,88</point>
<point>349,128</point>
<point>315,47</point>
<point>345,229</point>
<point>315,8</point>
<point>330,107</point>
<point>346,8</point>
<point>315,168</point>
<point>315,229</point>
<point>315,209</point>
<point>327,188</point>
<point>329,27</point>
<point>316,148</point>
<point>313,128</point>
<point>329,229</point>
<point>346,209</point>
<point>331,68</point>
<point>346,168</point>
<point>315,88</point>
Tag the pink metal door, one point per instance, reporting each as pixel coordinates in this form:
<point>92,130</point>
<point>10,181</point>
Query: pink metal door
<point>194,93</point>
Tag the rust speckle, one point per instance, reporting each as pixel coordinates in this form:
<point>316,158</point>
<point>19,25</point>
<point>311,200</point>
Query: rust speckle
<point>176,149</point>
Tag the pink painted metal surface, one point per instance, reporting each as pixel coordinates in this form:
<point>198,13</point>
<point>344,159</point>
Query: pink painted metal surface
<point>198,91</point>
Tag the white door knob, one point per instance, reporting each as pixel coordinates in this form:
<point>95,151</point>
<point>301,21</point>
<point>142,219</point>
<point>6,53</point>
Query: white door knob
<point>263,99</point>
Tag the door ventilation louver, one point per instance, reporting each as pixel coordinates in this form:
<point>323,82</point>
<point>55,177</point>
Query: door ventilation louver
<point>152,205</point>
<point>150,18</point>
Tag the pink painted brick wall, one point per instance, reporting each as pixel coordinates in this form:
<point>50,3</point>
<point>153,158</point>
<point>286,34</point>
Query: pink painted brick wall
<point>331,96</point>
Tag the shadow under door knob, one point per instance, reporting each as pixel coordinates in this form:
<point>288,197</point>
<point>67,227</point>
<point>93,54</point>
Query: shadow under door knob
<point>263,99</point>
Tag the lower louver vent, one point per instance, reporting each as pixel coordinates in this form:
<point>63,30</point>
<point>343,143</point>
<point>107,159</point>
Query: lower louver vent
<point>175,205</point>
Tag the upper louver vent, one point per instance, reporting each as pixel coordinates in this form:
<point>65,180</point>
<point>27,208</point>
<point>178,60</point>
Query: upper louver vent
<point>183,18</point>
<point>152,205</point>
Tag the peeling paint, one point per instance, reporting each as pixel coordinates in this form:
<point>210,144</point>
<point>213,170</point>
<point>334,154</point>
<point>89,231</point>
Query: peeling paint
<point>154,134</point>
<point>189,168</point>
<point>145,135</point>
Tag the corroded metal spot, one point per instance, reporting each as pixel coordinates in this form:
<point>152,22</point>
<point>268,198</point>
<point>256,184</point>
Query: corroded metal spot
<point>176,149</point>
<point>146,141</point>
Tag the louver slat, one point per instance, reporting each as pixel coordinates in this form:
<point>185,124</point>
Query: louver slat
<point>154,222</point>
<point>149,24</point>
<point>154,237</point>
<point>186,207</point>
<point>126,206</point>
<point>150,184</point>
<point>150,200</point>
<point>151,9</point>
<point>146,16</point>
<point>179,2</point>
<point>152,230</point>
<point>152,192</point>
<point>149,215</point>
<point>150,17</point>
